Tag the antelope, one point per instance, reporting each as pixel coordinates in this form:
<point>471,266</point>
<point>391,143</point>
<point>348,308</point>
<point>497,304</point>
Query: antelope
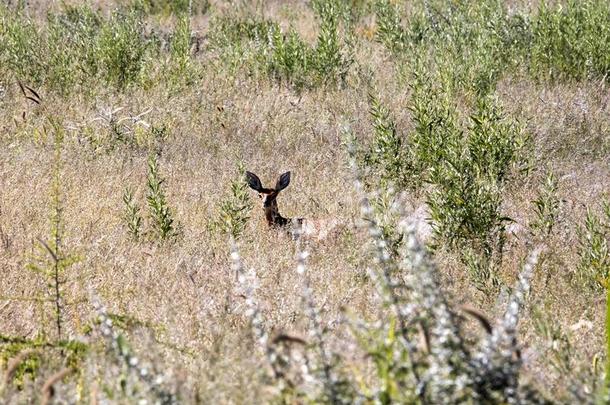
<point>296,227</point>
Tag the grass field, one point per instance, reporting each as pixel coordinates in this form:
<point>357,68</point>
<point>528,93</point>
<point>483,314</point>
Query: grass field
<point>462,149</point>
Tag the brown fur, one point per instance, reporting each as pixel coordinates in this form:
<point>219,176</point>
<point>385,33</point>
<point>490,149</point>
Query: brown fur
<point>312,229</point>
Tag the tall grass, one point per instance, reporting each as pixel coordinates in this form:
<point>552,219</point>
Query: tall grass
<point>447,124</point>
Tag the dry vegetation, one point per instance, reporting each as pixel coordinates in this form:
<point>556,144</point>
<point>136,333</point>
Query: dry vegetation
<point>453,140</point>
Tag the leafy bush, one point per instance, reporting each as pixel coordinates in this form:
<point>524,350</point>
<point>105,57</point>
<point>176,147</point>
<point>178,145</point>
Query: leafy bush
<point>181,70</point>
<point>175,7</point>
<point>132,214</point>
<point>122,49</point>
<point>388,155</point>
<point>79,44</point>
<point>469,183</point>
<point>468,44</point>
<point>332,59</point>
<point>21,46</point>
<point>290,58</point>
<point>467,169</point>
<point>72,37</point>
<point>571,40</point>
<point>160,213</point>
<point>472,44</point>
<point>234,209</point>
<point>390,32</point>
<point>261,45</point>
<point>162,222</point>
<point>593,271</point>
<point>546,207</point>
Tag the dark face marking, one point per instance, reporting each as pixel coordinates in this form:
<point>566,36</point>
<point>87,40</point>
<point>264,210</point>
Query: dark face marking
<point>269,199</point>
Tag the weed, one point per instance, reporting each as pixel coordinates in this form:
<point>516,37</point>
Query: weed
<point>234,209</point>
<point>332,60</point>
<point>285,56</point>
<point>122,49</point>
<point>389,29</point>
<point>593,270</point>
<point>160,213</point>
<point>80,44</point>
<point>387,152</point>
<point>54,268</point>
<point>571,40</point>
<point>20,44</point>
<point>182,69</point>
<point>132,214</point>
<point>175,7</point>
<point>546,207</point>
<point>290,58</point>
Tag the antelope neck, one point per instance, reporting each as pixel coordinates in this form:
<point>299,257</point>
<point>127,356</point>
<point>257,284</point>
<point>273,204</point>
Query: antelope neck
<point>272,214</point>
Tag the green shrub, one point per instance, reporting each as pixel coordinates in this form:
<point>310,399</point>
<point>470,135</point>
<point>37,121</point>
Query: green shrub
<point>181,69</point>
<point>234,209</point>
<point>390,32</point>
<point>22,48</point>
<point>546,207</point>
<point>78,45</point>
<point>161,214</point>
<point>180,45</point>
<point>290,59</point>
<point>132,214</point>
<point>388,155</point>
<point>571,40</point>
<point>332,58</point>
<point>467,168</point>
<point>261,46</point>
<point>437,134</point>
<point>122,49</point>
<point>472,44</point>
<point>72,37</point>
<point>593,270</point>
<point>167,7</point>
<point>470,178</point>
<point>468,44</point>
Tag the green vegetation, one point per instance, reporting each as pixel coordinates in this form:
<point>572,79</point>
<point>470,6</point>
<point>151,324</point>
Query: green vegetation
<point>445,156</point>
<point>234,209</point>
<point>594,267</point>
<point>161,215</point>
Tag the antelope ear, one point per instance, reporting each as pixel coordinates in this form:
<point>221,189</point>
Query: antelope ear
<point>282,182</point>
<point>253,181</point>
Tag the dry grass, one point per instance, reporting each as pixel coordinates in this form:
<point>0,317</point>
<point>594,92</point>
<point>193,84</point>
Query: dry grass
<point>189,318</point>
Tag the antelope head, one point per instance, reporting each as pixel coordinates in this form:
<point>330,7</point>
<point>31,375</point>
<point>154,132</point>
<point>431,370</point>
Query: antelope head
<point>269,198</point>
